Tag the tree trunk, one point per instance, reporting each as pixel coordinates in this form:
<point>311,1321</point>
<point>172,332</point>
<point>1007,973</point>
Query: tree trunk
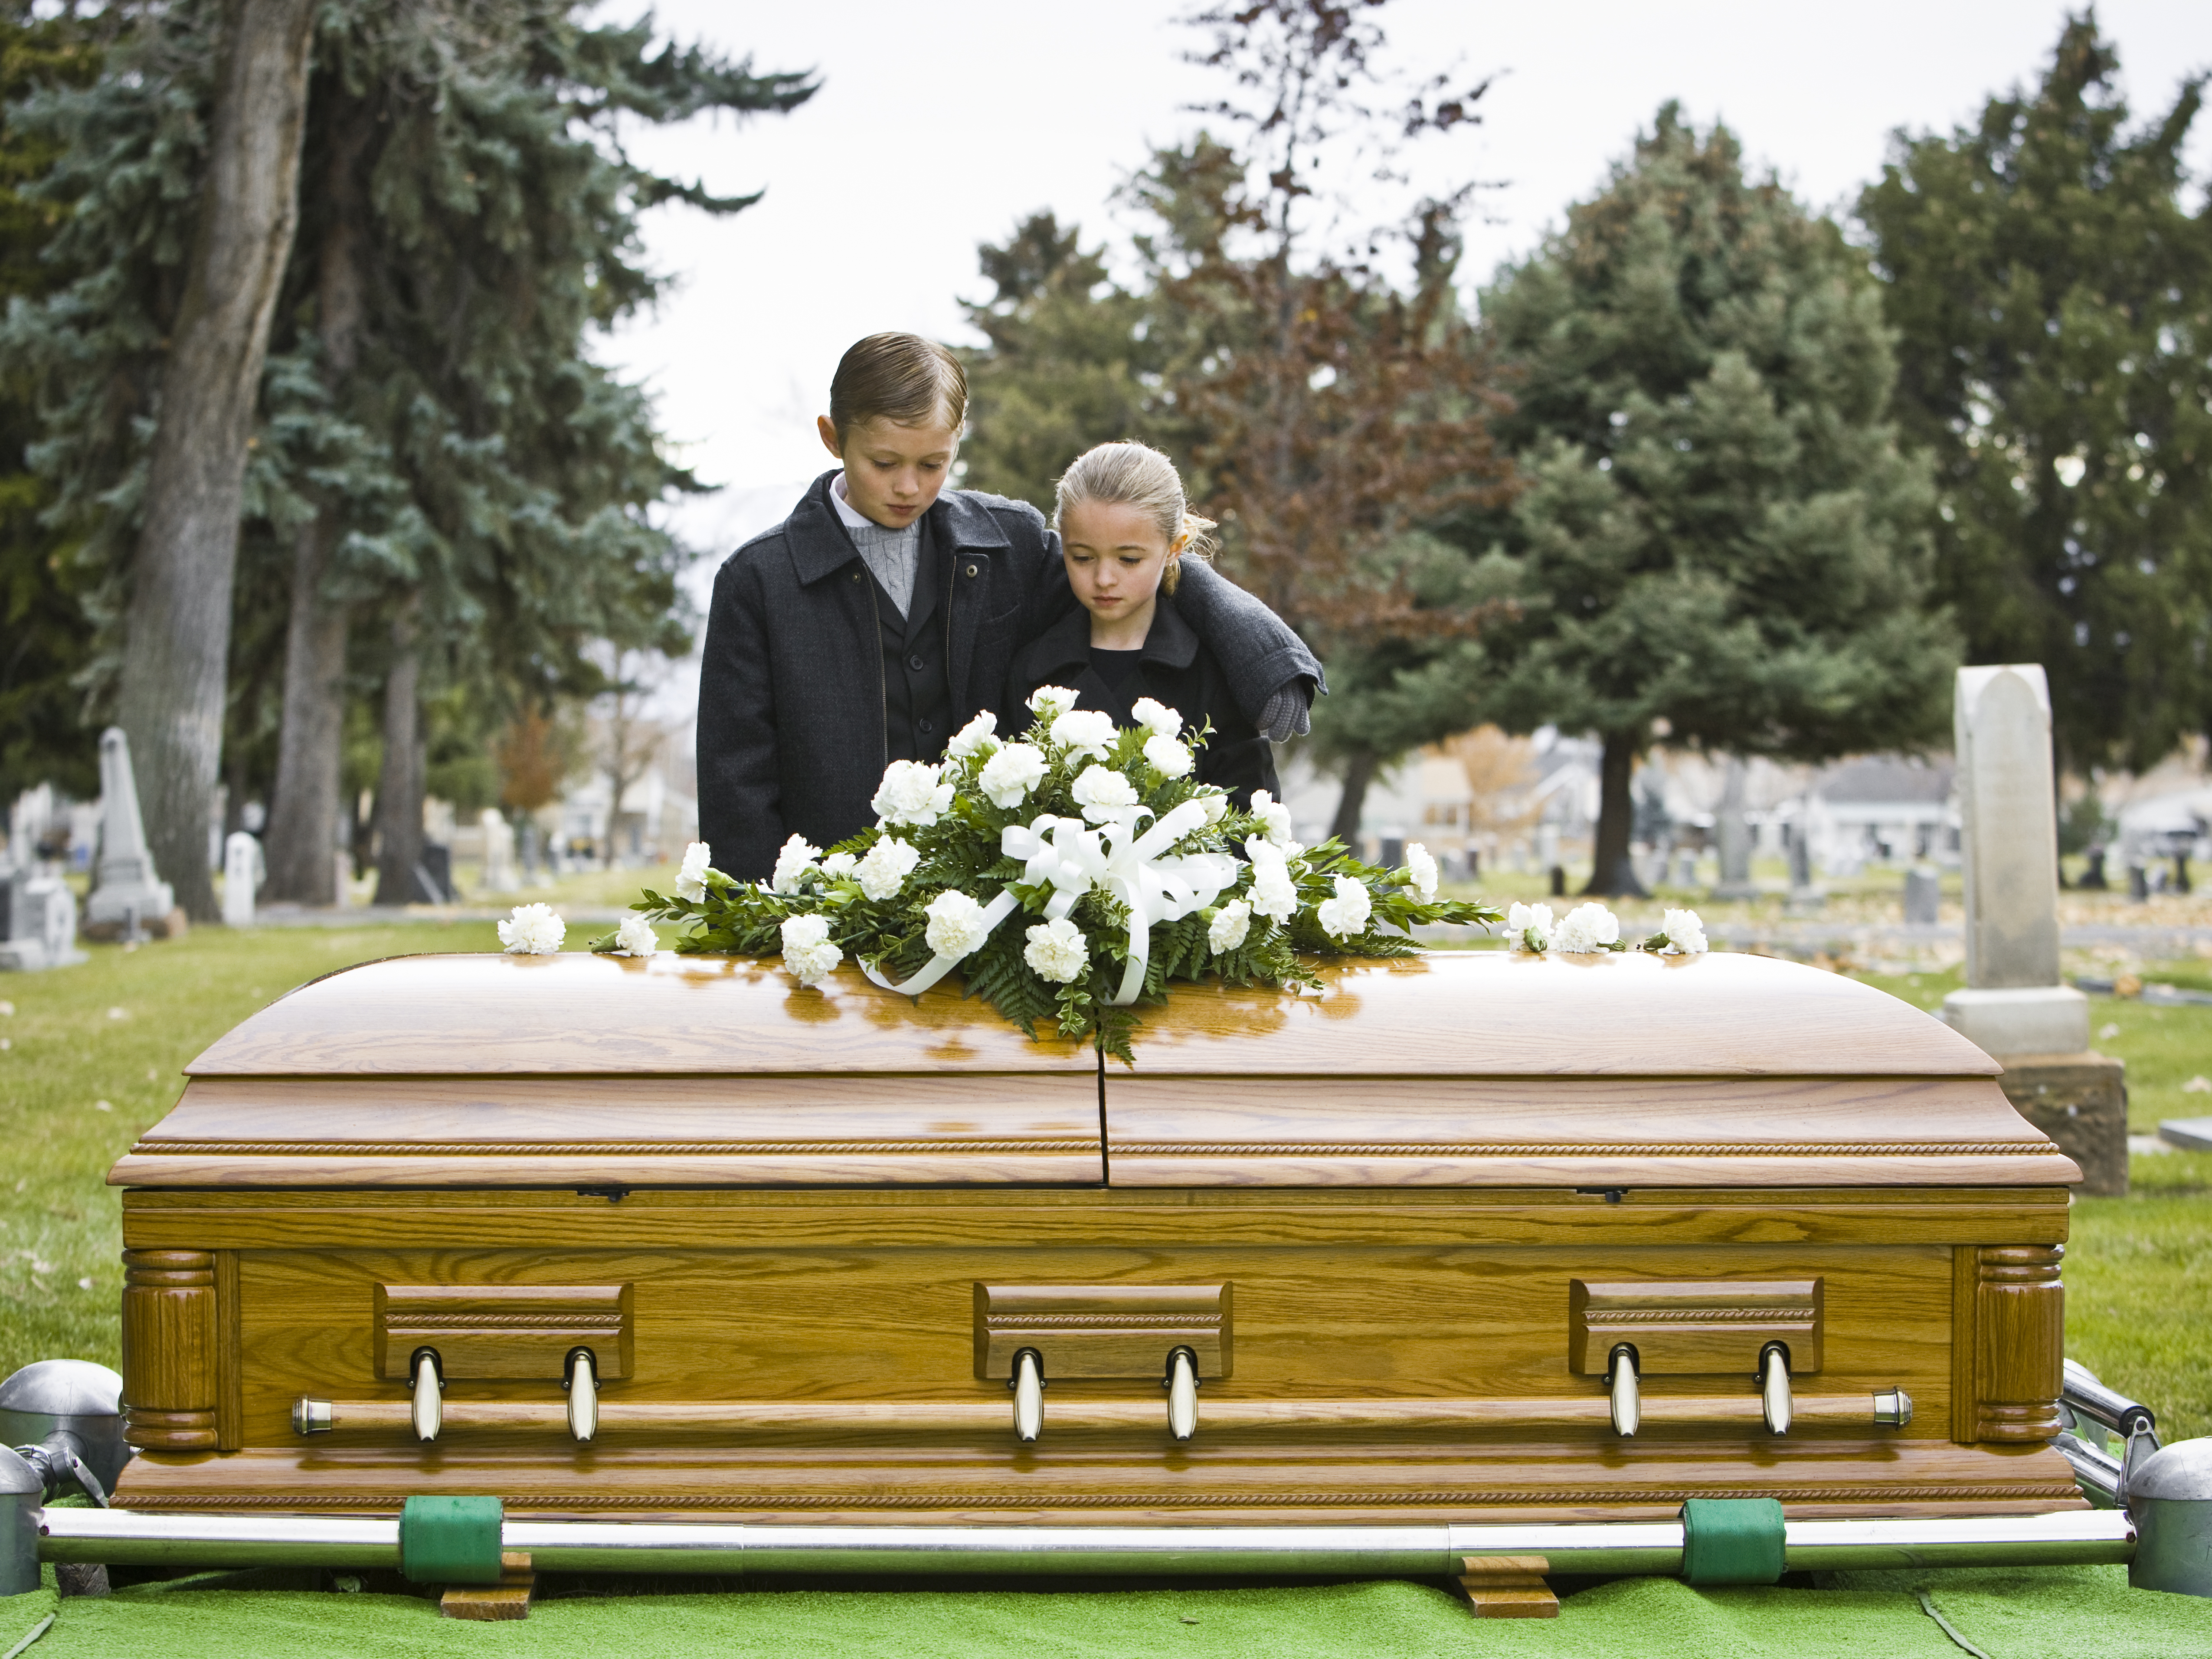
<point>1358,773</point>
<point>399,785</point>
<point>1613,875</point>
<point>177,633</point>
<point>303,814</point>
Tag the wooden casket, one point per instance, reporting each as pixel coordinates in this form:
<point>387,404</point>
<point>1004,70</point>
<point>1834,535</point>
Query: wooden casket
<point>1396,1233</point>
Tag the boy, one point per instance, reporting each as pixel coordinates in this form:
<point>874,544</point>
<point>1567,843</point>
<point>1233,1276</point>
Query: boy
<point>884,613</point>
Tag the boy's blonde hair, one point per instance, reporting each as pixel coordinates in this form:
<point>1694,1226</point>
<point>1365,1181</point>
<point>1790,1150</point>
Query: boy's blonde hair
<point>1130,474</point>
<point>901,378</point>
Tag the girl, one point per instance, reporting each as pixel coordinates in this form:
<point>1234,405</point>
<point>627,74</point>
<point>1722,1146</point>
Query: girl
<point>1125,532</point>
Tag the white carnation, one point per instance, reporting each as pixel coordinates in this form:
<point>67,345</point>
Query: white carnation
<point>1057,950</point>
<point>691,875</point>
<point>1009,776</point>
<point>838,864</point>
<point>1216,804</point>
<point>1685,933</point>
<point>534,931</point>
<point>1169,758</point>
<point>1420,870</point>
<point>807,950</point>
<point>1273,893</point>
<point>1049,703</point>
<point>1586,929</point>
<point>795,861</point>
<point>1230,924</point>
<point>1101,792</point>
<point>1155,717</point>
<point>1348,913</point>
<point>883,872</point>
<point>1529,926</point>
<point>910,793</point>
<point>979,737</point>
<point>1275,817</point>
<point>956,924</point>
<point>635,938</point>
<point>1084,734</point>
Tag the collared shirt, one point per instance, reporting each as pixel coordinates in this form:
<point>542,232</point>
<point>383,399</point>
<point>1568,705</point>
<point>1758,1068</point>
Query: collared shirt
<point>892,555</point>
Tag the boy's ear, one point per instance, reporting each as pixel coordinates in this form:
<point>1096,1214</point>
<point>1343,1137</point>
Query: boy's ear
<point>829,436</point>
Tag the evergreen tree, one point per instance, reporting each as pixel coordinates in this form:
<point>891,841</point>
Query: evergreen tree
<point>2052,295</point>
<point>1720,533</point>
<point>44,632</point>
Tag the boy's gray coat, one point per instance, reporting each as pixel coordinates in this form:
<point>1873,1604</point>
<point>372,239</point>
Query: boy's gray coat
<point>791,703</point>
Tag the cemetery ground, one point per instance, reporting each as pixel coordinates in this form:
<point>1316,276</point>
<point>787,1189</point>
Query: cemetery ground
<point>91,1055</point>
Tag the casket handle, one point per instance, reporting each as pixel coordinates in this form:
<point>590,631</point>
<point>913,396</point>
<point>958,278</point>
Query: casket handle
<point>1774,1387</point>
<point>581,1379</point>
<point>1027,1384</point>
<point>1182,1384</point>
<point>428,1413</point>
<point>1627,1409</point>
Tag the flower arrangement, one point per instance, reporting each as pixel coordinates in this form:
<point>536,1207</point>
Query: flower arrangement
<point>1589,928</point>
<point>1071,873</point>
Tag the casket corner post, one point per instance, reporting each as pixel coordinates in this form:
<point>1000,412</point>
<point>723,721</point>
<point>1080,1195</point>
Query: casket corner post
<point>179,1391</point>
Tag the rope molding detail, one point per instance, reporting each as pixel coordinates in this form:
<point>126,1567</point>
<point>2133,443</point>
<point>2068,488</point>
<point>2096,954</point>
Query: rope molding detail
<point>1133,1149</point>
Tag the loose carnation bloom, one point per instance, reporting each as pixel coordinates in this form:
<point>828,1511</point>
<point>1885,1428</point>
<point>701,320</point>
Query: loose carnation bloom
<point>1529,926</point>
<point>1049,703</point>
<point>532,931</point>
<point>1685,933</point>
<point>1102,793</point>
<point>1009,776</point>
<point>1273,816</point>
<point>692,876</point>
<point>1169,758</point>
<point>1057,950</point>
<point>1420,870</point>
<point>1155,717</point>
<point>883,872</point>
<point>956,924</point>
<point>1084,734</point>
<point>838,864</point>
<point>1232,923</point>
<point>1216,804</point>
<point>807,950</point>
<point>1348,913</point>
<point>635,938</point>
<point>1585,930</point>
<point>793,863</point>
<point>910,793</point>
<point>979,737</point>
<point>1273,893</point>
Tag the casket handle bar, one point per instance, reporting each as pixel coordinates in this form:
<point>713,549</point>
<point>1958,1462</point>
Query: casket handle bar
<point>580,1376</point>
<point>1028,1385</point>
<point>428,1415</point>
<point>1182,1384</point>
<point>1621,1366</point>
<point>1774,1386</point>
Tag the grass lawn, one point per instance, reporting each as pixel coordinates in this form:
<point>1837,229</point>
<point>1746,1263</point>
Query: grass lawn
<point>90,1056</point>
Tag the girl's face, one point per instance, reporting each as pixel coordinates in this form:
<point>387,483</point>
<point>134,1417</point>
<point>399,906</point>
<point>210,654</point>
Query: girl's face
<point>1115,558</point>
<point>892,473</point>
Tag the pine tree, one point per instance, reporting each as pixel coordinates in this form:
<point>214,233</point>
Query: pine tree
<point>2052,296</point>
<point>1720,533</point>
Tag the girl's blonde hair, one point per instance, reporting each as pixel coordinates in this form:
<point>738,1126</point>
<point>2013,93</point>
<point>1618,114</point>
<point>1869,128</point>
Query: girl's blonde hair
<point>1129,474</point>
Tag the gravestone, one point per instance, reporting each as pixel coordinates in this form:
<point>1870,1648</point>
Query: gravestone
<point>1732,835</point>
<point>2013,1005</point>
<point>1806,894</point>
<point>241,879</point>
<point>126,888</point>
<point>1923,896</point>
<point>1686,869</point>
<point>500,875</point>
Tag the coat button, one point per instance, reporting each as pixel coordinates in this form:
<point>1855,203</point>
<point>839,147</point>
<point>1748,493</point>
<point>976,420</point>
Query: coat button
<point>971,569</point>
<point>926,727</point>
<point>917,662</point>
<point>856,575</point>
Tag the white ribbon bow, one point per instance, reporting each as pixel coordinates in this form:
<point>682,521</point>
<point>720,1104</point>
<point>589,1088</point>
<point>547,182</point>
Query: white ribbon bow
<point>1061,854</point>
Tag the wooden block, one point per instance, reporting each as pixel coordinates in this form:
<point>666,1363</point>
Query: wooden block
<point>508,1599</point>
<point>1507,1587</point>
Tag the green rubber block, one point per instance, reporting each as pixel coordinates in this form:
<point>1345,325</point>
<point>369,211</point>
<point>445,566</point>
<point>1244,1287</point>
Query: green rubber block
<point>1732,1540</point>
<point>451,1540</point>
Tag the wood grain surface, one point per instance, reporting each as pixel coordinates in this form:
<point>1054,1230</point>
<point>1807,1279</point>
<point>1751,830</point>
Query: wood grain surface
<point>1694,1327</point>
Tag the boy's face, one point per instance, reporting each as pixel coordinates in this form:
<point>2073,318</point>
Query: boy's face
<point>892,472</point>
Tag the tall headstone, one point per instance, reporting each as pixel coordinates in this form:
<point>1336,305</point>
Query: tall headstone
<point>125,886</point>
<point>500,875</point>
<point>242,877</point>
<point>2013,1002</point>
<point>1732,835</point>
